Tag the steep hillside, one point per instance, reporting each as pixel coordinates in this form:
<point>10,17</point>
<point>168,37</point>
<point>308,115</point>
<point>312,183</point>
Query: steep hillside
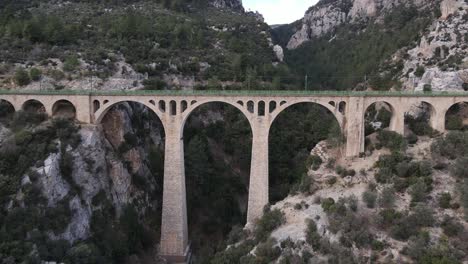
<point>124,45</point>
<point>380,44</point>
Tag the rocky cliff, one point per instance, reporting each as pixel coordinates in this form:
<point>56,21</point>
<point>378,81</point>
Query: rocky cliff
<point>326,16</point>
<point>230,4</point>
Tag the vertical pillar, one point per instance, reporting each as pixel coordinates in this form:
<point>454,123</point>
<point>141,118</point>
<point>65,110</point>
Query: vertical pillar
<point>355,126</point>
<point>174,236</point>
<point>438,119</point>
<point>84,108</point>
<point>258,187</point>
<point>397,123</point>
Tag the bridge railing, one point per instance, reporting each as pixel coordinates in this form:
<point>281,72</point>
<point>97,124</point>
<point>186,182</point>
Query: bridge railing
<point>284,93</point>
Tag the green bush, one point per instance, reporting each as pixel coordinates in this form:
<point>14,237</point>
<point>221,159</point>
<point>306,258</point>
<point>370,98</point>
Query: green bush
<point>327,204</point>
<point>154,84</point>
<point>444,200</point>
<point>451,227</point>
<point>391,140</point>
<point>419,71</point>
<point>71,63</point>
<point>22,77</point>
<point>269,222</point>
<point>312,236</point>
<point>314,161</point>
<point>370,198</point>
<point>35,74</point>
<point>387,197</point>
<point>460,168</point>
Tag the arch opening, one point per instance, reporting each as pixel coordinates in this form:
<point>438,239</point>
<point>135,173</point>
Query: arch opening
<point>342,107</point>
<point>64,109</point>
<point>272,106</point>
<point>7,111</point>
<point>183,106</point>
<point>332,103</point>
<point>250,106</point>
<point>162,106</point>
<point>295,132</point>
<point>217,142</point>
<point>136,150</point>
<point>34,106</point>
<point>378,116</point>
<point>173,108</point>
<point>96,105</point>
<point>261,108</point>
<point>419,121</point>
<point>456,117</point>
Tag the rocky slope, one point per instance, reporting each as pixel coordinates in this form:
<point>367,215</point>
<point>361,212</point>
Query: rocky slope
<point>435,56</point>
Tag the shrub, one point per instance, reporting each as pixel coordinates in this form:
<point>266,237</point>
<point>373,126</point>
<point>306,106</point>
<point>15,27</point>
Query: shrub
<point>314,161</point>
<point>427,88</point>
<point>22,77</point>
<point>154,84</point>
<point>312,236</point>
<point>35,74</point>
<point>460,168</point>
<point>444,200</point>
<point>369,197</point>
<point>269,222</point>
<point>418,192</point>
<point>391,140</point>
<point>387,197</point>
<point>267,251</point>
<point>71,63</point>
<point>419,71</point>
<point>327,204</point>
<point>451,226</point>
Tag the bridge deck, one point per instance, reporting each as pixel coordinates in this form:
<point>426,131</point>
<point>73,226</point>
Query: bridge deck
<point>282,93</point>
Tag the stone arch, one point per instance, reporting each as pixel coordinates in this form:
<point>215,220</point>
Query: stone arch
<point>261,108</point>
<point>96,105</point>
<point>391,123</point>
<point>456,116</point>
<point>278,177</point>
<point>183,106</point>
<point>99,115</point>
<point>192,108</point>
<point>329,107</point>
<point>34,105</point>
<point>64,108</point>
<point>421,118</point>
<point>251,106</point>
<point>173,108</point>
<point>184,137</point>
<point>272,106</point>
<point>162,106</point>
<point>7,109</point>
<point>342,107</point>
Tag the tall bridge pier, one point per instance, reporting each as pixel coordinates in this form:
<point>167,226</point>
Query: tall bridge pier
<point>260,109</point>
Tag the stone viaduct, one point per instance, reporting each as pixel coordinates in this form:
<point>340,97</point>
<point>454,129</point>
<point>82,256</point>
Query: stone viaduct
<point>260,108</point>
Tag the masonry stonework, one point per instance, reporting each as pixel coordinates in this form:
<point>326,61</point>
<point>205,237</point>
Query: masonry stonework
<point>260,111</point>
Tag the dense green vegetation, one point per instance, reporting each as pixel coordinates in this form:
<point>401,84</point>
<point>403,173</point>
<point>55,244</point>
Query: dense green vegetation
<point>351,58</point>
<point>169,42</point>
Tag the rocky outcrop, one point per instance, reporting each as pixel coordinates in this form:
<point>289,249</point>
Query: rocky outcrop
<point>326,16</point>
<point>235,5</point>
<point>442,52</point>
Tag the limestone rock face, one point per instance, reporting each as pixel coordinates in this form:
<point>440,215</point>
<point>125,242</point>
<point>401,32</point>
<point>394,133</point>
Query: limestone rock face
<point>235,5</point>
<point>279,52</point>
<point>326,16</point>
<point>448,7</point>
